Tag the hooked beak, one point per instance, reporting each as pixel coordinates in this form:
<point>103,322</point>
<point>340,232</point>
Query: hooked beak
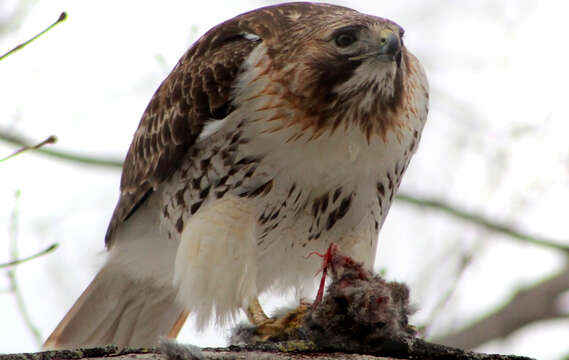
<point>389,48</point>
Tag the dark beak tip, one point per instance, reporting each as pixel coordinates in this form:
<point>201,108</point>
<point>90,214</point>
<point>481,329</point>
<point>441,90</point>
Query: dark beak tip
<point>391,45</point>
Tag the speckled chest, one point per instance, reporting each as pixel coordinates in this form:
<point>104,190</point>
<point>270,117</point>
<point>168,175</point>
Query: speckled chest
<point>309,191</point>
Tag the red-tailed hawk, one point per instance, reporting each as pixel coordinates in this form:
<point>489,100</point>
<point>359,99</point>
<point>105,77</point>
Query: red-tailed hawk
<point>279,132</point>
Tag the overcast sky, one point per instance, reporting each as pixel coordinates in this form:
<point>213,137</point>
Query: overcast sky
<point>496,143</point>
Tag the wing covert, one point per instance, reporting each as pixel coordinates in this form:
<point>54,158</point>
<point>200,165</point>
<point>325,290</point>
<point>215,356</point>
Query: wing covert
<point>196,91</point>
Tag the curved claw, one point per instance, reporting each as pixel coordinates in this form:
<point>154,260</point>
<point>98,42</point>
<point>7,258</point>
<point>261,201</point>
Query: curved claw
<point>255,313</point>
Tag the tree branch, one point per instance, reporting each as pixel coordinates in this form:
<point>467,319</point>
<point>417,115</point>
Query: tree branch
<point>527,306</point>
<point>480,220</point>
<point>292,350</point>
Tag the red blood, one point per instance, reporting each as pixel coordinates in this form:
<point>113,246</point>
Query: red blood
<point>327,261</point>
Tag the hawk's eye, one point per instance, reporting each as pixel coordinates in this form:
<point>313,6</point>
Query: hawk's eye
<point>345,38</point>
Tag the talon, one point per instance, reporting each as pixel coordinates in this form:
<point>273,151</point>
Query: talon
<point>304,302</point>
<point>285,327</point>
<point>255,313</point>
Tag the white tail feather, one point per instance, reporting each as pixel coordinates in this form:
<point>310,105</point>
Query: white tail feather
<point>115,309</point>
<point>131,301</point>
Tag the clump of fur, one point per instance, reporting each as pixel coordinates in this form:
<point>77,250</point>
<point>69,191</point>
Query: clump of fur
<point>176,351</point>
<point>360,308</point>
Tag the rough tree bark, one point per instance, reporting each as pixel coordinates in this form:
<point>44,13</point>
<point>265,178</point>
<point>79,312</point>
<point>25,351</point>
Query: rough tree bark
<point>291,350</point>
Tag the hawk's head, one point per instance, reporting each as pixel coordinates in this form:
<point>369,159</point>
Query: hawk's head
<point>338,64</point>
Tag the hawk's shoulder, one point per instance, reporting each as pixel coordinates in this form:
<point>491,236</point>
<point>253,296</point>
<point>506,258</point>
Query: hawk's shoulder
<point>197,90</point>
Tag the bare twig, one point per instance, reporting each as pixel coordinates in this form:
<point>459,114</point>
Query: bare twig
<point>479,220</point>
<point>50,140</point>
<point>31,257</point>
<point>88,160</point>
<point>445,298</point>
<point>61,18</point>
<point>11,273</point>
<point>528,305</point>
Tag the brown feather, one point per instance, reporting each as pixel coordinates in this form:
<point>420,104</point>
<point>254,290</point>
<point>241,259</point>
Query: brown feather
<point>200,85</point>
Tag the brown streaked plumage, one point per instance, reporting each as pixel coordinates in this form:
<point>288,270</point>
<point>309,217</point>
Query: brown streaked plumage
<point>279,132</point>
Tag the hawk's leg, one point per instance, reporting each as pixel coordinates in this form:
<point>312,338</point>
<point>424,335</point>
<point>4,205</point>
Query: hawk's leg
<point>255,313</point>
<point>286,327</point>
<point>178,325</point>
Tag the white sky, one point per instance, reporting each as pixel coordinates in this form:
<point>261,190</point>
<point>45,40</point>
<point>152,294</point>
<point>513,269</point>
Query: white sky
<point>496,143</point>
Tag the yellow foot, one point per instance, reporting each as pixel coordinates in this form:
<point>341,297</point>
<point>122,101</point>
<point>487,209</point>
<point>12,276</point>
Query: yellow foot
<point>280,328</point>
<point>255,313</point>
